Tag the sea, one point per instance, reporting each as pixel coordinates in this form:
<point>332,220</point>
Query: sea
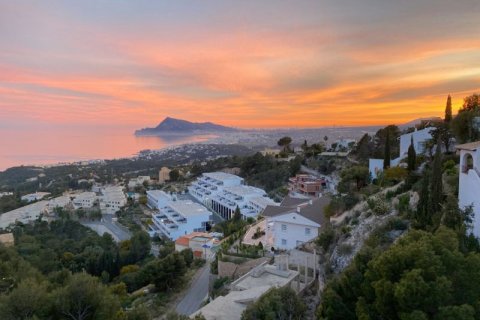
<point>44,146</point>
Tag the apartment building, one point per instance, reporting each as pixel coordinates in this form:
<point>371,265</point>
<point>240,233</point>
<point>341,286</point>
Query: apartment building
<point>158,198</point>
<point>176,218</point>
<point>164,175</point>
<point>250,200</point>
<point>224,192</point>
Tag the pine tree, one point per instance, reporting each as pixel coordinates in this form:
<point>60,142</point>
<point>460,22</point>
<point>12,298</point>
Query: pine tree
<point>412,157</point>
<point>436,186</point>
<point>423,217</point>
<point>448,110</point>
<point>237,215</point>
<point>386,159</point>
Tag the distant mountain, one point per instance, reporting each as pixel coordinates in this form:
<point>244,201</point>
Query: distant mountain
<point>413,123</point>
<point>178,126</point>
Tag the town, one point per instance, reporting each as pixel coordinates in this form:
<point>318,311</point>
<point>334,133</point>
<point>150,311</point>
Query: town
<point>224,235</point>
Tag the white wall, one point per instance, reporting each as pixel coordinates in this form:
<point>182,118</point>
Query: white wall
<point>419,138</point>
<point>294,233</point>
<point>469,188</point>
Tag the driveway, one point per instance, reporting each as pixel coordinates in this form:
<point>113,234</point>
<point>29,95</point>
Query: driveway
<point>108,225</point>
<point>197,293</point>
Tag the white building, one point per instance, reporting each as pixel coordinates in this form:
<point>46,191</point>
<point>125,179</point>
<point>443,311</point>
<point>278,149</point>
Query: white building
<point>178,218</point>
<point>34,196</point>
<point>4,194</point>
<point>469,185</point>
<point>211,183</point>
<point>138,181</point>
<point>294,222</point>
<point>84,200</point>
<point>112,199</point>
<point>420,137</point>
<point>250,200</point>
<point>158,198</point>
<point>224,192</point>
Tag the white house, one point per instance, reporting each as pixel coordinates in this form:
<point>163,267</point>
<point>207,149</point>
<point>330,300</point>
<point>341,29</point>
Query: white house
<point>294,222</point>
<point>112,199</point>
<point>176,218</point>
<point>34,196</point>
<point>420,137</point>
<point>84,200</point>
<point>469,184</point>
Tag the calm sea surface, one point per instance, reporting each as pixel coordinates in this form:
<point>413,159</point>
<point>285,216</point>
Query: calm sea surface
<point>53,145</point>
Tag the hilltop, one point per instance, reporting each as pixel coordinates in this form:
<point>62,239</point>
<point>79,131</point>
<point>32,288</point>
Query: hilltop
<point>179,126</point>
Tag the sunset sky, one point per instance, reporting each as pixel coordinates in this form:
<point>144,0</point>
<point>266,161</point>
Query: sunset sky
<point>244,63</point>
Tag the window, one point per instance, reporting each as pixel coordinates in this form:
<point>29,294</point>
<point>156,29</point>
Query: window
<point>299,243</point>
<point>307,231</point>
<point>284,242</point>
<point>284,227</point>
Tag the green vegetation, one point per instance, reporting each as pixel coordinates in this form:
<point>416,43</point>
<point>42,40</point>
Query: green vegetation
<point>423,276</point>
<point>78,274</point>
<point>282,303</point>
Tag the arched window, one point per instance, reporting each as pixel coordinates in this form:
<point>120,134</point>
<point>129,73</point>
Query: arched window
<point>467,162</point>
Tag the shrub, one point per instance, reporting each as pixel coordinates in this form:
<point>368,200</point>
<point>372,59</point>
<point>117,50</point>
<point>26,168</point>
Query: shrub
<point>326,238</point>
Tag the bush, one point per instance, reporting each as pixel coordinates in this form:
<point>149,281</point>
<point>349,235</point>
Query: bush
<point>378,205</point>
<point>326,238</point>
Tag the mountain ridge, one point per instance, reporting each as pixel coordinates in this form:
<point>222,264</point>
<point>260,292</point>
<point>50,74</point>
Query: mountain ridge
<point>179,126</point>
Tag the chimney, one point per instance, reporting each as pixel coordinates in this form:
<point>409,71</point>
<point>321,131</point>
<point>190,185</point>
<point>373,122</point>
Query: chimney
<point>298,209</point>
<point>310,202</point>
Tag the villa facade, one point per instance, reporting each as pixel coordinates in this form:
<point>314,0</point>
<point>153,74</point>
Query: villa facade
<point>469,181</point>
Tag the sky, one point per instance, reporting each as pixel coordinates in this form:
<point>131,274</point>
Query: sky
<point>247,64</point>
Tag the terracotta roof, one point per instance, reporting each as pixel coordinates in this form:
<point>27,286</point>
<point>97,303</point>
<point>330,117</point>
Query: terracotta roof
<point>183,241</point>
<point>471,146</point>
<point>197,254</point>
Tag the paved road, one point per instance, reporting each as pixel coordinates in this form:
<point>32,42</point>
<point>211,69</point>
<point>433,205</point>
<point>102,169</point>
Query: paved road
<point>197,293</point>
<point>119,233</point>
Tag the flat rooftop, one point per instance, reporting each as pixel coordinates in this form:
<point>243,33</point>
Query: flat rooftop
<point>188,208</point>
<point>266,275</point>
<point>264,201</point>
<point>244,190</point>
<point>221,176</point>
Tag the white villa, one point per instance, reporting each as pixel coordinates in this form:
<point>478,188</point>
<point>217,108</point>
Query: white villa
<point>469,185</point>
<point>84,200</point>
<point>112,199</point>
<point>419,138</point>
<point>176,218</point>
<point>294,222</point>
<point>224,192</point>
